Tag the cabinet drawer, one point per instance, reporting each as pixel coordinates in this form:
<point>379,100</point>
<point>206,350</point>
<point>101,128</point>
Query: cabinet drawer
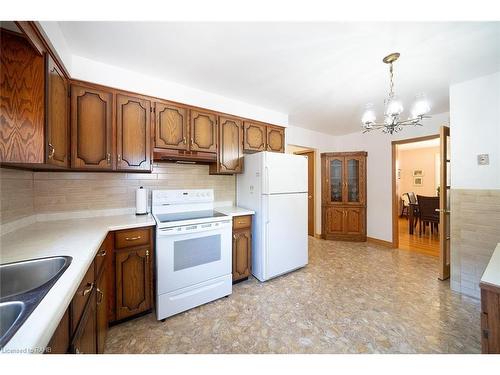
<point>132,238</point>
<point>81,297</point>
<point>240,222</point>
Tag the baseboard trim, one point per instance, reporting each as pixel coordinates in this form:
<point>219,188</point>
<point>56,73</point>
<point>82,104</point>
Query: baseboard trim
<point>380,242</point>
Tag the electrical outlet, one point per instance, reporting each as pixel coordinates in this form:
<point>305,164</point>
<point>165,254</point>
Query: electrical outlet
<point>483,159</point>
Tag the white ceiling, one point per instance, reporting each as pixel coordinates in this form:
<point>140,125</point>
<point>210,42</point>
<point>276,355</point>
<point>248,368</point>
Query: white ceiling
<point>321,74</point>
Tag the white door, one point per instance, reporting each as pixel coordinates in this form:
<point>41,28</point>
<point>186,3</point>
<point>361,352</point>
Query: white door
<point>284,173</point>
<point>285,218</point>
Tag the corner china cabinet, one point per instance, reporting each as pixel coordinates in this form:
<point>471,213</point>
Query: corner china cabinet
<point>343,176</point>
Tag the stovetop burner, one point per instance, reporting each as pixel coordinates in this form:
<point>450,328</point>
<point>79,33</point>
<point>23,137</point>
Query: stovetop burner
<point>188,215</point>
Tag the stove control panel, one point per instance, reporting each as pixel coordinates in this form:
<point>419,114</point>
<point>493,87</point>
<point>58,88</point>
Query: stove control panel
<point>170,197</point>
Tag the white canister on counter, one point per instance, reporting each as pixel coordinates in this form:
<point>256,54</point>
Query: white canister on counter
<point>141,201</point>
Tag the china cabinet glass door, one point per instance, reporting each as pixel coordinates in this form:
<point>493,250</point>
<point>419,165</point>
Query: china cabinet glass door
<point>336,179</point>
<point>353,180</point>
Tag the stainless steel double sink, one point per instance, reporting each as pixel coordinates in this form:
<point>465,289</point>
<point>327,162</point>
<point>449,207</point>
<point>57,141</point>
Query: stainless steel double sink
<point>22,286</point>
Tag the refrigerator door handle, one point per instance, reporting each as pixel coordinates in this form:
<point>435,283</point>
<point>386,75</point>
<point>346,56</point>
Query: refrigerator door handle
<point>266,180</point>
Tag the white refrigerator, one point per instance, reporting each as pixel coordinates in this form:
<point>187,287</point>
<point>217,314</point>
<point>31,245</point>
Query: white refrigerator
<point>274,185</point>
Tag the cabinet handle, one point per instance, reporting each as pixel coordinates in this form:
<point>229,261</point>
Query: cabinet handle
<point>132,238</point>
<point>101,295</point>
<point>147,256</point>
<point>52,151</point>
<point>108,158</point>
<point>89,289</point>
<point>119,157</point>
<point>102,253</point>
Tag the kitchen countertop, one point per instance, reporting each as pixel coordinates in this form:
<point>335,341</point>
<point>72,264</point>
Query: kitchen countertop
<point>491,274</point>
<point>234,211</point>
<point>78,238</point>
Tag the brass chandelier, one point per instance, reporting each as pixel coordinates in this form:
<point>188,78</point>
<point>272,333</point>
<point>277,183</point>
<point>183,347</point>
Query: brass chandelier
<point>393,108</point>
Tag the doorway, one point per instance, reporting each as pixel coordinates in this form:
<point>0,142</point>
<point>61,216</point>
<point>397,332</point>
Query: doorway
<point>420,190</point>
<point>310,154</point>
<point>417,184</point>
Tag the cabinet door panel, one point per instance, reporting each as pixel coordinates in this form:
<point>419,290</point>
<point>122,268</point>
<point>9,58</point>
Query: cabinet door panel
<point>334,220</point>
<point>102,311</point>
<point>203,131</point>
<point>21,101</point>
<point>57,150</point>
<point>354,180</point>
<point>254,137</point>
<point>133,282</point>
<point>133,126</point>
<point>85,339</point>
<point>91,127</point>
<point>171,126</point>
<point>59,343</point>
<point>229,157</point>
<point>275,139</point>
<point>335,180</point>
<point>242,254</point>
<point>354,223</point>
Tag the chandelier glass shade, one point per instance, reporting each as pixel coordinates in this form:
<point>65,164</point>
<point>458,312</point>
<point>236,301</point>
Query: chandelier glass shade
<point>393,108</point>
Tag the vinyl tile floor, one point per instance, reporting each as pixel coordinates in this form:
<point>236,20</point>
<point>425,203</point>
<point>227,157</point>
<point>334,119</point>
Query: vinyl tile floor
<point>351,298</point>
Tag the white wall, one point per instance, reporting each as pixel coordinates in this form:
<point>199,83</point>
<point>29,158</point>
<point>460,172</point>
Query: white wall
<point>379,174</point>
<point>475,189</point>
<point>320,142</point>
<point>475,115</point>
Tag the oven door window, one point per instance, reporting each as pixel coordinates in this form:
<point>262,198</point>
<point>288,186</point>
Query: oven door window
<point>194,252</point>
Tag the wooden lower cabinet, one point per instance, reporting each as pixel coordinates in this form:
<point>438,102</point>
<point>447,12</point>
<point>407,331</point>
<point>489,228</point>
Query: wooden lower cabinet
<point>85,338</point>
<point>344,223</point>
<point>59,343</point>
<point>133,282</point>
<point>107,293</point>
<point>102,311</point>
<point>490,319</point>
<point>242,247</point>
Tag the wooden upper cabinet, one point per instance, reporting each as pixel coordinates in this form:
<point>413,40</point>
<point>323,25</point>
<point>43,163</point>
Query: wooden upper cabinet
<point>275,139</point>
<point>230,152</point>
<point>171,126</point>
<point>133,133</point>
<point>91,128</point>
<point>22,101</point>
<point>57,130</point>
<point>254,137</point>
<point>203,131</point>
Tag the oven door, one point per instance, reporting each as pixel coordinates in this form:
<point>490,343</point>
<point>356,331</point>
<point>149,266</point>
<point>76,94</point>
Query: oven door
<point>188,255</point>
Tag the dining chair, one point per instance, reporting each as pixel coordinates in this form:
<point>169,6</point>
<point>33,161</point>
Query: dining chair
<point>428,214</point>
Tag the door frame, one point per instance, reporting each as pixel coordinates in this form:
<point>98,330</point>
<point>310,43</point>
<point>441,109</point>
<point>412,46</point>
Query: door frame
<point>313,151</point>
<point>395,197</point>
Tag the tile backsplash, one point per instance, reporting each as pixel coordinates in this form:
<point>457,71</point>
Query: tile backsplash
<point>16,194</point>
<point>475,220</point>
<point>25,193</point>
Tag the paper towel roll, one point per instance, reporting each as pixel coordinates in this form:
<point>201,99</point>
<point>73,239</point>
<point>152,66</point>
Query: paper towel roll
<point>141,201</point>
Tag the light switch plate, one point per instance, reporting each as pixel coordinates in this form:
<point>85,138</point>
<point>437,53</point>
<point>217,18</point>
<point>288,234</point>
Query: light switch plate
<point>483,159</point>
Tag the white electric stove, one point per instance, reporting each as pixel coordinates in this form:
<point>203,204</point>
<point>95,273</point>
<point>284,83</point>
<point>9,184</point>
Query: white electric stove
<point>193,250</point>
